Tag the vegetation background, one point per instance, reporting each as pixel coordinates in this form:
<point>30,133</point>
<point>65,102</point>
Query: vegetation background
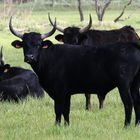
<point>33,119</point>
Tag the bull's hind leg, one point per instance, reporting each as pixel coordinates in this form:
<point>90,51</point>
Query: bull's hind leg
<point>88,103</point>
<point>127,101</point>
<point>136,97</point>
<point>66,110</point>
<point>136,102</point>
<point>59,107</point>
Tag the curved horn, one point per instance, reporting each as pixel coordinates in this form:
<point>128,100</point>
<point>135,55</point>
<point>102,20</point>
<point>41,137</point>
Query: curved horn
<point>43,36</point>
<point>16,33</point>
<point>1,57</point>
<point>57,27</point>
<point>88,26</point>
<point>1,54</point>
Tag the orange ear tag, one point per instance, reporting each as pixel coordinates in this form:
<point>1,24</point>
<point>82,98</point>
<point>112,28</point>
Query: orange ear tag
<point>61,40</point>
<point>45,47</point>
<point>18,47</point>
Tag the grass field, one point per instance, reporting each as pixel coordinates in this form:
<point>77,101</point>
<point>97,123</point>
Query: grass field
<point>34,119</point>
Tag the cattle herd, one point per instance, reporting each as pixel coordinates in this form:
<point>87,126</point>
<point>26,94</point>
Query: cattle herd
<point>89,61</point>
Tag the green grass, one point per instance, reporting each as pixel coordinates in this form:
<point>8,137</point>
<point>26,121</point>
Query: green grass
<point>34,119</point>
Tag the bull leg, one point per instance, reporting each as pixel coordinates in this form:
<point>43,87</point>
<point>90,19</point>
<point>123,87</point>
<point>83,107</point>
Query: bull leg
<point>101,100</point>
<point>58,106</point>
<point>88,103</point>
<point>67,110</point>
<point>127,101</point>
<point>136,101</point>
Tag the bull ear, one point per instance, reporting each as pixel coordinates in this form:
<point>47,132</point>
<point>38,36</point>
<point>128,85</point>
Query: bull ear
<point>17,44</point>
<point>59,37</point>
<point>5,68</point>
<point>46,44</point>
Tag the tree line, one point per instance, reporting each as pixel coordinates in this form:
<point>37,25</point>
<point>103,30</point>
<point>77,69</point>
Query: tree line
<point>100,7</point>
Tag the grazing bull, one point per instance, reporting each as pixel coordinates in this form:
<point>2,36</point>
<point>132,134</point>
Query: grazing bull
<point>16,83</point>
<point>64,70</point>
<point>84,36</point>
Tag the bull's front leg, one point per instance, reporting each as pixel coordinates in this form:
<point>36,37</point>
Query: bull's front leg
<point>66,111</point>
<point>59,107</point>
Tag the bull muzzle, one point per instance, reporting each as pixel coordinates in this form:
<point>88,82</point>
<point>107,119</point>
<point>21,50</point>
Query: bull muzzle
<point>29,58</point>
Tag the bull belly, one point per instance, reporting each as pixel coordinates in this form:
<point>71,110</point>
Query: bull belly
<point>98,87</point>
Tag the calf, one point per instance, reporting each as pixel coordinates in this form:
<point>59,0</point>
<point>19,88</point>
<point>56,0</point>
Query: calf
<point>64,70</point>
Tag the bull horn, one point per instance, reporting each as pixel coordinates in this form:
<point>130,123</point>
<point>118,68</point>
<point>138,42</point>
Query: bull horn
<point>1,54</point>
<point>85,29</point>
<point>57,27</point>
<point>16,33</point>
<point>43,36</point>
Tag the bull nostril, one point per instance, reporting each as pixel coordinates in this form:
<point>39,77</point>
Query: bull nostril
<point>29,58</point>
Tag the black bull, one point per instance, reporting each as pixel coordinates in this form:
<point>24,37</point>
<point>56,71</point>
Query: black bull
<point>86,36</point>
<point>16,82</point>
<point>64,70</point>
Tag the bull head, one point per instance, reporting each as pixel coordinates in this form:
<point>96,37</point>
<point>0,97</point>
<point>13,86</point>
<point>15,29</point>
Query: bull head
<point>31,42</point>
